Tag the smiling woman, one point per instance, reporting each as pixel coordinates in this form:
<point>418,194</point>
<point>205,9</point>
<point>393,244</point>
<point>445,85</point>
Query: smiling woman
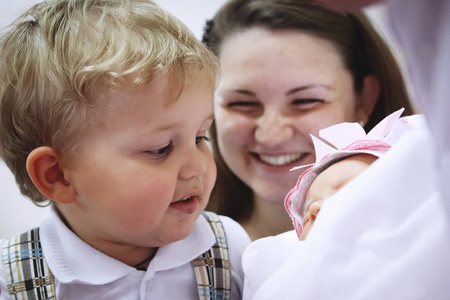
<point>288,69</point>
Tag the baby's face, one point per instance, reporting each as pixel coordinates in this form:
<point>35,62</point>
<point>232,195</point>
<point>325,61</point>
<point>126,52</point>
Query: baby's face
<point>144,173</point>
<point>329,182</point>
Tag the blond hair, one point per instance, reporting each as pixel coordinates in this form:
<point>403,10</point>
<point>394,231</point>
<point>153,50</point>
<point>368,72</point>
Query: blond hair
<point>59,53</point>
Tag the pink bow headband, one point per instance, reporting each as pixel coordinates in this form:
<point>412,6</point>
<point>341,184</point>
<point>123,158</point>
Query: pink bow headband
<point>334,144</point>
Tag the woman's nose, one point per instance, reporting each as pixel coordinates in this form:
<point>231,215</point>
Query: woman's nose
<point>273,129</point>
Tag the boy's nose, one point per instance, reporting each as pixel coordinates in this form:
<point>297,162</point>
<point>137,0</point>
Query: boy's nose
<point>273,129</point>
<point>194,165</point>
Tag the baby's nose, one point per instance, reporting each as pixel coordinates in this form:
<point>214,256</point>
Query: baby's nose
<point>314,210</point>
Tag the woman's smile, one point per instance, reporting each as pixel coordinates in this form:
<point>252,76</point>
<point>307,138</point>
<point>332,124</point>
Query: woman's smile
<point>280,160</point>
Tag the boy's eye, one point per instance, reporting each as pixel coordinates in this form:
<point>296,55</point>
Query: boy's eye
<point>201,138</point>
<point>160,152</point>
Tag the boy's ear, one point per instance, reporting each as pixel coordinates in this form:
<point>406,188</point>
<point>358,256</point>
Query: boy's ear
<point>368,98</point>
<point>47,173</point>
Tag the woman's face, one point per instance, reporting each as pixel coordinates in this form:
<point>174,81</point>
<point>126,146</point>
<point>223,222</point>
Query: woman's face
<point>276,89</point>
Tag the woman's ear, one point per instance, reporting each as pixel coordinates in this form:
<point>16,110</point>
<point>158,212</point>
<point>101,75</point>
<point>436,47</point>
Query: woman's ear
<point>47,173</point>
<point>367,98</point>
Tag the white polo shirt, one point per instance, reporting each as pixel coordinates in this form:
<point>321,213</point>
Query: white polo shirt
<point>82,272</point>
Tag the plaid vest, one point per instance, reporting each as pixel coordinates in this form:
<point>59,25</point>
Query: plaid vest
<point>29,277</point>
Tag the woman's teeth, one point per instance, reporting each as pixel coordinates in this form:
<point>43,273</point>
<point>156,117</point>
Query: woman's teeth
<point>280,160</point>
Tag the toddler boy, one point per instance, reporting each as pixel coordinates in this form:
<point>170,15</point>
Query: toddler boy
<point>104,109</point>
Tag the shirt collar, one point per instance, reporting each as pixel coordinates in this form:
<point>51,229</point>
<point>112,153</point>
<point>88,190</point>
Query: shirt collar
<point>72,260</point>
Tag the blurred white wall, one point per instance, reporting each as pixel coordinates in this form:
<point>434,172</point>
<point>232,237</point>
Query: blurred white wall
<point>193,13</point>
<point>17,213</point>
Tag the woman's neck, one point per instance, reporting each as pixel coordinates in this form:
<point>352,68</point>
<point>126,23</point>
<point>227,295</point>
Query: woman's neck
<point>267,219</point>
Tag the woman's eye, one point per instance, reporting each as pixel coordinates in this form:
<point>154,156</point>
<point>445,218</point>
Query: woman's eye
<point>201,138</point>
<point>160,152</point>
<point>307,103</point>
<point>243,105</point>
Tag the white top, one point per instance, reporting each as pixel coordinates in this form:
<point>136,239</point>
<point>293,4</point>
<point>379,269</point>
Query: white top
<point>82,272</point>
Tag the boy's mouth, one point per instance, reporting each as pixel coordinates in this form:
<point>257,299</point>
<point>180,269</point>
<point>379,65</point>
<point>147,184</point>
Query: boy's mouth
<point>184,200</point>
<point>187,205</point>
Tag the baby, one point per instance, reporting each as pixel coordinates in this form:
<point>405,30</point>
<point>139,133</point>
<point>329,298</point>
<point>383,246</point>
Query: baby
<point>104,109</point>
<point>328,182</point>
<point>343,152</point>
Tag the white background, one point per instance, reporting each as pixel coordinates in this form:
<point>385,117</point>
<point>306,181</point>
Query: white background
<point>18,213</point>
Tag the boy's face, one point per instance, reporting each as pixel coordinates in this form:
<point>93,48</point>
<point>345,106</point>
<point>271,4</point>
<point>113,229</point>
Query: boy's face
<point>144,173</point>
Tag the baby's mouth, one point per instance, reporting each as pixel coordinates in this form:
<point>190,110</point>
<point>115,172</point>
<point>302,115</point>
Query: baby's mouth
<point>280,160</point>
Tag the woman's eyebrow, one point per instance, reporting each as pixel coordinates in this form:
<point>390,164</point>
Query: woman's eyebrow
<point>291,91</point>
<point>306,87</point>
<point>241,91</point>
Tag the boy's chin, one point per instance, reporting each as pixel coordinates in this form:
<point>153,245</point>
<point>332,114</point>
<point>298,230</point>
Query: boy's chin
<point>180,232</point>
